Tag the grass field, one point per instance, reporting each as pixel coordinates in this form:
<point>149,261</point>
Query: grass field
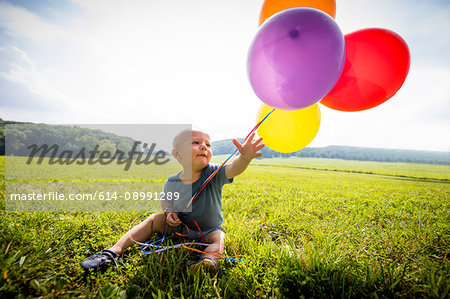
<point>406,170</point>
<point>303,227</point>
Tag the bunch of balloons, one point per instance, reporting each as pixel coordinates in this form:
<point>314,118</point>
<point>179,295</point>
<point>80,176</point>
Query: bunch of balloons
<point>299,57</point>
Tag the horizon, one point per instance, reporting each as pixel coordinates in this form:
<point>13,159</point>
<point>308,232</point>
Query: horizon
<point>242,138</point>
<point>80,61</point>
<point>355,146</point>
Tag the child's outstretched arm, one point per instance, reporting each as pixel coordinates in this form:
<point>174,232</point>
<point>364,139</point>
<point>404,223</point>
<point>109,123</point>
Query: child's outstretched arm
<point>248,150</point>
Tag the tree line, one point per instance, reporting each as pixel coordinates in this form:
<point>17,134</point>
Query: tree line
<point>226,147</point>
<point>21,135</point>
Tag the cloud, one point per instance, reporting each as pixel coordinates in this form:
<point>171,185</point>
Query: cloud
<point>23,85</point>
<point>27,95</point>
<point>17,21</point>
<point>423,24</point>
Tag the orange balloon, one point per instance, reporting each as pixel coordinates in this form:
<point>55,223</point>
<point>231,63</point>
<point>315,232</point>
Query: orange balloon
<point>271,7</point>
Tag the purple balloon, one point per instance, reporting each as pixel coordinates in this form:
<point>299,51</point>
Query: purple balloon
<point>296,58</point>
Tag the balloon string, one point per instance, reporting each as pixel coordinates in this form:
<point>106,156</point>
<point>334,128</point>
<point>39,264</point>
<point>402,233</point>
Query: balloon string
<point>194,197</point>
<point>155,248</point>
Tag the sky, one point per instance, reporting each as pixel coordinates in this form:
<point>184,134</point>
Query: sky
<point>184,62</point>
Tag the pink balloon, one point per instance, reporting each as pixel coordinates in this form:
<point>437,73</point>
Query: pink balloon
<point>296,58</point>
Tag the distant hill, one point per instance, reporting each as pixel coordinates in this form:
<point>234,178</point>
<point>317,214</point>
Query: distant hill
<point>224,147</point>
<point>75,137</point>
<point>67,137</point>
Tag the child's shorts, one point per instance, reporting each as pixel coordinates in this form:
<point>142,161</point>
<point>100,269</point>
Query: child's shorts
<point>193,234</point>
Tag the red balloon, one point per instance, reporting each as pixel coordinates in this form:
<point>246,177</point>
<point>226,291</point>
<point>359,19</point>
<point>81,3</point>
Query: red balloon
<point>377,63</point>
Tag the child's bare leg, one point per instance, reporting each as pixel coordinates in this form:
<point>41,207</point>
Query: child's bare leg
<point>217,247</point>
<point>141,232</point>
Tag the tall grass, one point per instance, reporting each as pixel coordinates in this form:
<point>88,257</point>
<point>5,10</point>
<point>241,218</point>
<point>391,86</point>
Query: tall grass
<point>299,232</point>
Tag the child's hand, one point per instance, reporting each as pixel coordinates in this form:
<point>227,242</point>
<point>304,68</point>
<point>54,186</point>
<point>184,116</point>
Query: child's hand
<point>172,219</point>
<point>249,150</point>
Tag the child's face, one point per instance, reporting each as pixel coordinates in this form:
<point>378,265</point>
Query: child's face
<point>199,150</point>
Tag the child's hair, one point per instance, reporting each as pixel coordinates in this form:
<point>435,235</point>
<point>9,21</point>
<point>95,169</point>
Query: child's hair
<point>186,134</point>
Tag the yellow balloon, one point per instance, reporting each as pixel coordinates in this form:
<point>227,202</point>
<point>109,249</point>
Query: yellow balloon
<point>288,131</point>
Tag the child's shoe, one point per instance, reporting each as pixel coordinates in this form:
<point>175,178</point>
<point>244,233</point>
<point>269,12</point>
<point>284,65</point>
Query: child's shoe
<point>207,264</point>
<point>100,261</point>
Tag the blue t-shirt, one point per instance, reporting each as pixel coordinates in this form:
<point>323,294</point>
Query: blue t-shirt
<point>207,208</point>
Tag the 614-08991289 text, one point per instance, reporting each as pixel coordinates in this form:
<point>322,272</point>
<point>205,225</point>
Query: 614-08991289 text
<point>102,195</point>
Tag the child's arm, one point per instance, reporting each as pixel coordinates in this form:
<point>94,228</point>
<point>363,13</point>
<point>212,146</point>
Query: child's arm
<point>248,150</point>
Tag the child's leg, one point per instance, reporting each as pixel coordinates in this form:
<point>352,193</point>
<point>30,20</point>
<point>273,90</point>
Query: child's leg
<point>141,232</point>
<point>217,241</point>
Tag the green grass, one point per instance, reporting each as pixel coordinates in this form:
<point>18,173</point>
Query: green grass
<point>407,170</point>
<point>306,227</point>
